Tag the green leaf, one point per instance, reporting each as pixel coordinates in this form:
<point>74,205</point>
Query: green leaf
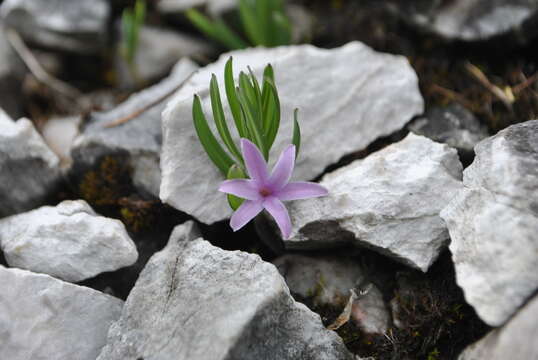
<point>250,21</point>
<point>231,95</point>
<point>235,172</point>
<point>220,120</point>
<point>252,125</point>
<point>217,30</point>
<point>296,139</point>
<point>274,123</point>
<point>282,27</point>
<point>210,144</point>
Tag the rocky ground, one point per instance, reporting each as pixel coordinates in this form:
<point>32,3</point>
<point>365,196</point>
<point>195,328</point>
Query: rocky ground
<point>419,117</point>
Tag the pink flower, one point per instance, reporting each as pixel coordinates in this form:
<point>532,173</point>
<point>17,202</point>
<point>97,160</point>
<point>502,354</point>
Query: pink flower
<point>267,191</point>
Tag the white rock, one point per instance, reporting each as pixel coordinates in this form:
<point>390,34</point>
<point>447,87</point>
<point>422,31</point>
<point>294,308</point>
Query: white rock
<point>29,170</point>
<point>214,7</point>
<point>196,301</point>
<point>493,224</point>
<point>42,318</point>
<point>69,241</point>
<point>515,341</point>
<point>158,51</point>
<point>73,25</point>
<point>347,97</point>
<point>389,202</point>
<point>59,133</point>
<point>139,138</point>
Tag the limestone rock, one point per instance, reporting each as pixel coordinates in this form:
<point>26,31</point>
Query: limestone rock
<point>493,224</point>
<point>516,340</point>
<point>69,241</point>
<point>196,301</point>
<point>347,97</point>
<point>42,318</point>
<point>139,139</point>
<point>29,170</point>
<point>390,202</point>
<point>71,25</point>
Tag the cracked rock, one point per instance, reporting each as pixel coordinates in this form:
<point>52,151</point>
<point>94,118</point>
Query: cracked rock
<point>69,241</point>
<point>493,224</point>
<point>29,170</point>
<point>364,96</point>
<point>516,340</point>
<point>139,139</point>
<point>71,25</point>
<point>42,318</point>
<point>389,202</point>
<point>473,20</point>
<point>196,301</point>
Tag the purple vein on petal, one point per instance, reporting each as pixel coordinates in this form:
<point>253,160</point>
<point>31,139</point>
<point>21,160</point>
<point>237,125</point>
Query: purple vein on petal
<point>278,211</point>
<point>301,190</point>
<point>242,188</point>
<point>246,212</point>
<point>283,168</point>
<point>254,161</point>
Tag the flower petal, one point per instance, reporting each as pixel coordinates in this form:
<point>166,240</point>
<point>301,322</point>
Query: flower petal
<point>279,212</point>
<point>246,212</point>
<point>301,190</point>
<point>243,188</point>
<point>254,161</point>
<point>283,168</point>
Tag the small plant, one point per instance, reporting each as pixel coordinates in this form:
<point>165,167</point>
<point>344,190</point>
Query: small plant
<point>131,21</point>
<point>264,22</point>
<point>256,114</point>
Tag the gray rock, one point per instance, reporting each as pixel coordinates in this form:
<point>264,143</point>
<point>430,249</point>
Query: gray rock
<point>196,301</point>
<point>70,242</point>
<point>353,93</point>
<point>12,72</point>
<point>139,139</point>
<point>493,224</point>
<point>42,318</point>
<point>472,20</point>
<point>29,170</point>
<point>452,125</point>
<point>214,7</point>
<point>71,25</point>
<point>327,281</point>
<point>158,51</point>
<point>389,202</point>
<point>515,341</point>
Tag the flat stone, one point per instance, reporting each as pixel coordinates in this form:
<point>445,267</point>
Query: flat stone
<point>42,318</point>
<point>159,50</point>
<point>516,340</point>
<point>493,224</point>
<point>452,125</point>
<point>473,20</point>
<point>390,202</point>
<point>69,241</point>
<point>364,96</point>
<point>29,170</point>
<point>70,25</point>
<point>327,281</point>
<point>139,139</point>
<point>196,301</point>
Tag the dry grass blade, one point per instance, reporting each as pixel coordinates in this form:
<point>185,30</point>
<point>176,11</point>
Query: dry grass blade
<point>346,313</point>
<point>505,96</point>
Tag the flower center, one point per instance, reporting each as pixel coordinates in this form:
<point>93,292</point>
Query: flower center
<point>265,192</point>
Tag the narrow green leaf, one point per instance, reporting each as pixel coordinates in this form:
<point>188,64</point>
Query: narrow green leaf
<point>217,30</point>
<point>282,26</point>
<point>250,21</point>
<point>210,144</point>
<point>253,126</point>
<point>274,123</point>
<point>246,86</point>
<point>296,139</point>
<point>231,95</point>
<point>267,104</point>
<point>235,172</point>
<point>220,119</point>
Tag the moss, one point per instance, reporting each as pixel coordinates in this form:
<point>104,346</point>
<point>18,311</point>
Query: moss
<point>108,183</point>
